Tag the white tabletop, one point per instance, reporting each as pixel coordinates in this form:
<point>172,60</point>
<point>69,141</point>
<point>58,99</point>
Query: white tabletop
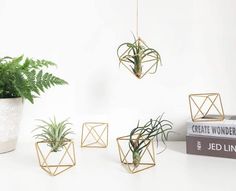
<point>100,169</point>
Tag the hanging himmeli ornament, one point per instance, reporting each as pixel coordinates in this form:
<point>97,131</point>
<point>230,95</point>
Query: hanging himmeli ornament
<point>137,57</point>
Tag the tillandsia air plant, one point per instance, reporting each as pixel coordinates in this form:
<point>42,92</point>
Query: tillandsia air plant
<point>137,55</point>
<point>54,133</point>
<point>141,136</point>
<point>25,77</point>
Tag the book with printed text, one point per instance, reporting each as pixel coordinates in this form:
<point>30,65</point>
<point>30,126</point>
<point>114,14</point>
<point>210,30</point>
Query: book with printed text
<point>224,129</point>
<point>211,146</point>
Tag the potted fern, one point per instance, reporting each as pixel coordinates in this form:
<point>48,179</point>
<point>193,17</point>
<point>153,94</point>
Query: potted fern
<point>136,150</point>
<point>20,78</point>
<point>55,150</point>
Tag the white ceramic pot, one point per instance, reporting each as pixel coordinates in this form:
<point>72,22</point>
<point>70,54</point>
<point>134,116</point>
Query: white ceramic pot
<point>10,117</point>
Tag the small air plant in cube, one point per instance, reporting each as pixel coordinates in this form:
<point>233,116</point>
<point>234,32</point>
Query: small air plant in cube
<point>137,149</point>
<point>138,58</point>
<point>55,150</point>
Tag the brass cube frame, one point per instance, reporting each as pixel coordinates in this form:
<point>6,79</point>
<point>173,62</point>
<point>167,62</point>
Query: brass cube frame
<point>210,101</point>
<point>150,59</point>
<point>61,165</point>
<point>99,139</point>
<point>125,155</point>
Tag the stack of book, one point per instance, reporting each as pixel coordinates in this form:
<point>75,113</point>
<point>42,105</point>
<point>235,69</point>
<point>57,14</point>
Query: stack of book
<point>212,138</point>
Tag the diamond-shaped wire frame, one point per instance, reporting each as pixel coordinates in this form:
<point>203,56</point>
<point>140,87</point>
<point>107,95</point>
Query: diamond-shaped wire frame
<point>55,163</point>
<point>94,135</point>
<point>206,107</point>
<point>149,63</point>
<point>126,156</point>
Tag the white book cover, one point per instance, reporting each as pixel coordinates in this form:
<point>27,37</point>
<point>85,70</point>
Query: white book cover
<point>224,129</point>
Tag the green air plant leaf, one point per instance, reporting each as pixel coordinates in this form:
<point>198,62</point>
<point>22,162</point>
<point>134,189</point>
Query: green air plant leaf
<point>54,133</point>
<point>137,56</point>
<point>25,77</point>
<point>141,136</point>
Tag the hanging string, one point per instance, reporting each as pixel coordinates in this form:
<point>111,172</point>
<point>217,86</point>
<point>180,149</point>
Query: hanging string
<point>137,19</point>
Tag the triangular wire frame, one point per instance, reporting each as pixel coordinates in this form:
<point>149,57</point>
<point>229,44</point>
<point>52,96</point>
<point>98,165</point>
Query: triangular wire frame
<point>211,98</point>
<point>148,152</point>
<point>60,166</point>
<point>151,59</point>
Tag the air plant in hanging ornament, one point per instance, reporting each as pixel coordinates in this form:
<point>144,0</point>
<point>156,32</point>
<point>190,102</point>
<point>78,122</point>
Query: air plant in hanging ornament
<point>142,136</point>
<point>138,58</point>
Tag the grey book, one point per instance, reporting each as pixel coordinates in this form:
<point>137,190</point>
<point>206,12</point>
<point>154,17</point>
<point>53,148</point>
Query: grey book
<point>211,146</point>
<point>225,128</point>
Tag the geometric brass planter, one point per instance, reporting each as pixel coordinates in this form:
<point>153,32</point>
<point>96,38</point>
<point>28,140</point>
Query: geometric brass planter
<point>206,107</point>
<point>55,163</point>
<point>94,135</point>
<point>147,155</point>
<point>149,62</point>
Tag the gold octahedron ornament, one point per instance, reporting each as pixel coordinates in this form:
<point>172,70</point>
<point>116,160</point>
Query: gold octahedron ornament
<point>206,107</point>
<point>138,58</point>
<point>55,163</point>
<point>94,135</point>
<point>146,159</point>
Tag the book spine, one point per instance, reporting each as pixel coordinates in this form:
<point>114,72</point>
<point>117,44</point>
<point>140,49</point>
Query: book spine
<point>212,129</point>
<point>209,146</point>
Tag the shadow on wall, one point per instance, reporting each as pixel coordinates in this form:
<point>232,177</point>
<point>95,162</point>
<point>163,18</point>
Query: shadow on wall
<point>179,131</point>
<point>179,135</point>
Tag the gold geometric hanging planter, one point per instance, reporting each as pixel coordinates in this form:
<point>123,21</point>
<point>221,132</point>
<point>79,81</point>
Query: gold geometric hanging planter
<point>147,159</point>
<point>138,58</point>
<point>94,135</point>
<point>55,163</point>
<point>206,107</point>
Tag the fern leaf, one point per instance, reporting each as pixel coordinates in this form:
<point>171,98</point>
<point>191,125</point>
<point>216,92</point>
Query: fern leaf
<point>45,81</point>
<point>22,87</point>
<point>31,80</point>
<point>25,77</point>
<point>18,59</point>
<point>38,64</point>
<point>39,80</point>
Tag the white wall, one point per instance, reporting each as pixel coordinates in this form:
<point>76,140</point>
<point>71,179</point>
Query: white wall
<point>196,39</point>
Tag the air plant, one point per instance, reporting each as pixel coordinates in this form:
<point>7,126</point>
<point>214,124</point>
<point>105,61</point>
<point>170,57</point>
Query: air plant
<point>54,133</point>
<point>141,136</point>
<point>136,55</point>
